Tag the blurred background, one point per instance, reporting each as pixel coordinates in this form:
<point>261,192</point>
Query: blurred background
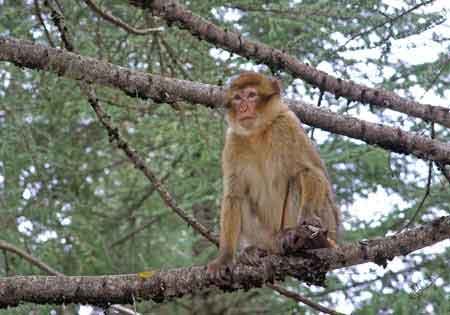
<point>73,201</point>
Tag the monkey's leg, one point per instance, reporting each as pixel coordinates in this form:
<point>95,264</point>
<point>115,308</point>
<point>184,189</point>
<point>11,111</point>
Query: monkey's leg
<point>307,192</point>
<point>251,255</point>
<point>302,237</point>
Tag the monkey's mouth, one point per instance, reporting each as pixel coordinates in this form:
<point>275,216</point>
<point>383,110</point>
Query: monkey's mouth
<point>247,118</point>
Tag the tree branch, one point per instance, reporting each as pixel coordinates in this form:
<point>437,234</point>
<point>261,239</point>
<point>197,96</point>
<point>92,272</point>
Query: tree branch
<point>139,163</point>
<point>43,266</point>
<point>118,22</point>
<point>302,299</point>
<point>389,19</point>
<point>161,89</point>
<point>34,261</point>
<point>102,290</point>
<point>38,13</point>
<point>234,42</point>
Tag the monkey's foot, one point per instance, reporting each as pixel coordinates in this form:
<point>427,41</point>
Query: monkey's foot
<point>220,270</point>
<point>314,224</point>
<point>251,256</point>
<point>332,243</point>
<point>312,221</point>
<point>303,237</point>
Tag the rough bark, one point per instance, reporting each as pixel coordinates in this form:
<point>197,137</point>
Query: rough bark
<point>161,89</point>
<point>310,267</point>
<point>232,41</point>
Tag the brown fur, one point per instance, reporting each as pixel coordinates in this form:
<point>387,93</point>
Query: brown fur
<point>266,168</point>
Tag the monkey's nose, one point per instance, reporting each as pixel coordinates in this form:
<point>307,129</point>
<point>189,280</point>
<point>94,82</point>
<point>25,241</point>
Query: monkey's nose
<point>243,108</point>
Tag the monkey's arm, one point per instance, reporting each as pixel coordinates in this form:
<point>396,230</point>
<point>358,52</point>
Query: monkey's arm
<point>230,221</point>
<point>311,181</point>
<point>309,190</point>
<point>314,190</point>
<point>307,197</point>
<point>230,227</point>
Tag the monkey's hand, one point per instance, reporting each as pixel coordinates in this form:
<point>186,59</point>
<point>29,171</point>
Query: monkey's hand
<point>251,256</point>
<point>220,268</point>
<point>314,224</point>
<point>307,235</point>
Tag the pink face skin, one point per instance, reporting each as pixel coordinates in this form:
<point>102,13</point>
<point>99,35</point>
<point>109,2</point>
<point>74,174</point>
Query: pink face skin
<point>244,103</point>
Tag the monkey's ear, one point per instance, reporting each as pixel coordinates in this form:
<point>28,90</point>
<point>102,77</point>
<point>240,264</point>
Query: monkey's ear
<point>276,86</point>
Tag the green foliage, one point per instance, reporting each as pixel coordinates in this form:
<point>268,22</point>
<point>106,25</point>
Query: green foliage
<point>74,201</point>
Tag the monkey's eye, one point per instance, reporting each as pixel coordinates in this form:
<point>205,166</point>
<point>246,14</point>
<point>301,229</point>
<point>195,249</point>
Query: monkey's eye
<point>251,95</point>
<point>237,97</point>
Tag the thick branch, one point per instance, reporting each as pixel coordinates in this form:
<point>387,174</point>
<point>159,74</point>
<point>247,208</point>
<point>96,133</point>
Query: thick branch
<point>102,290</point>
<point>276,59</point>
<point>161,89</point>
<point>43,266</point>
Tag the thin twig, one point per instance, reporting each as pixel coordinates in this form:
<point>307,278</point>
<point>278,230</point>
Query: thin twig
<point>118,22</point>
<point>59,20</point>
<point>424,198</point>
<point>427,190</point>
<point>173,55</point>
<point>136,205</point>
<point>389,274</point>
<point>297,297</point>
<point>438,74</point>
<point>432,83</point>
<point>388,20</point>
<point>137,230</point>
<point>41,20</point>
<point>34,261</point>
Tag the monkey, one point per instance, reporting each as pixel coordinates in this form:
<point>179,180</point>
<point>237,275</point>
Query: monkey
<point>274,180</point>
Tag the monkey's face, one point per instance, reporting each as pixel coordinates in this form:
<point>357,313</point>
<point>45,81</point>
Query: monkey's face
<point>244,108</point>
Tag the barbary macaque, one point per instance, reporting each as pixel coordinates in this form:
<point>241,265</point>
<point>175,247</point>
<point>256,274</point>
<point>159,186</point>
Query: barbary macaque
<point>274,180</point>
